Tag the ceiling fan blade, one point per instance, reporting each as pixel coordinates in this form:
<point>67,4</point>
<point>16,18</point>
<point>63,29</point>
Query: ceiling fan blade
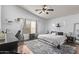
<point>50,9</point>
<point>38,9</point>
<point>40,12</point>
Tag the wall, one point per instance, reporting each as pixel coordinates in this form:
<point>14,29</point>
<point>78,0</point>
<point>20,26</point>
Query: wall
<point>66,22</point>
<point>0,17</point>
<point>12,12</point>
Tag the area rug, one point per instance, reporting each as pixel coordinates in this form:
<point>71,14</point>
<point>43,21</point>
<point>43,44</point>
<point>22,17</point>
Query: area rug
<point>39,47</point>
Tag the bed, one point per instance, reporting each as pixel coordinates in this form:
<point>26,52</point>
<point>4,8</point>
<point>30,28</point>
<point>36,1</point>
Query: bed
<point>53,39</point>
<point>45,45</point>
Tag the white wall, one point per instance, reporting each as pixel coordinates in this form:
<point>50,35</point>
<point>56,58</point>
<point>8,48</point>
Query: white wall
<point>12,12</point>
<point>0,17</point>
<point>66,22</point>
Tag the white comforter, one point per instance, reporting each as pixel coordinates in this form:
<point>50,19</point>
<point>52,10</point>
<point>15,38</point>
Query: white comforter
<point>55,39</point>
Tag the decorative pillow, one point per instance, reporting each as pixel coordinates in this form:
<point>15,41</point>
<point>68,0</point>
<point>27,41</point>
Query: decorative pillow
<point>59,33</point>
<point>53,33</point>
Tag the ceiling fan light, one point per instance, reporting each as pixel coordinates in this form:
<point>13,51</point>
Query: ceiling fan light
<point>44,10</point>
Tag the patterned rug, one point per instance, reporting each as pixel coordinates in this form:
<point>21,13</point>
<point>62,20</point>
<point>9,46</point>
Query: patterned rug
<point>39,47</point>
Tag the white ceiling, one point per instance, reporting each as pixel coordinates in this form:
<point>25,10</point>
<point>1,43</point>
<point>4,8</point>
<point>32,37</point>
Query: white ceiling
<point>59,10</point>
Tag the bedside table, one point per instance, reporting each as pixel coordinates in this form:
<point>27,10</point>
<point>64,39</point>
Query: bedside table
<point>33,36</point>
<point>70,39</point>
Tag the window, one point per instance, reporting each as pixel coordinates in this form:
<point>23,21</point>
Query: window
<point>29,27</point>
<point>33,27</point>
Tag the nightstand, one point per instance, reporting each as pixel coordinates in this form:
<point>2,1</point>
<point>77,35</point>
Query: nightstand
<point>33,36</point>
<point>70,39</point>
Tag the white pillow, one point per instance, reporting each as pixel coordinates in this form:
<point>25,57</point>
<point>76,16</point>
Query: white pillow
<point>53,33</point>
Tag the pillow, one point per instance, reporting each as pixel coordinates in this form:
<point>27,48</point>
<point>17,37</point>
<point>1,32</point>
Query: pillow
<point>59,33</point>
<point>53,33</point>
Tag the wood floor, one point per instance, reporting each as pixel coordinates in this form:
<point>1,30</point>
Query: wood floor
<point>23,49</point>
<point>74,45</point>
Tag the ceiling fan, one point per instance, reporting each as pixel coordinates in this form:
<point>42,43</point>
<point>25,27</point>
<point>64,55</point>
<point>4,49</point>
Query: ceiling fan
<point>44,10</point>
